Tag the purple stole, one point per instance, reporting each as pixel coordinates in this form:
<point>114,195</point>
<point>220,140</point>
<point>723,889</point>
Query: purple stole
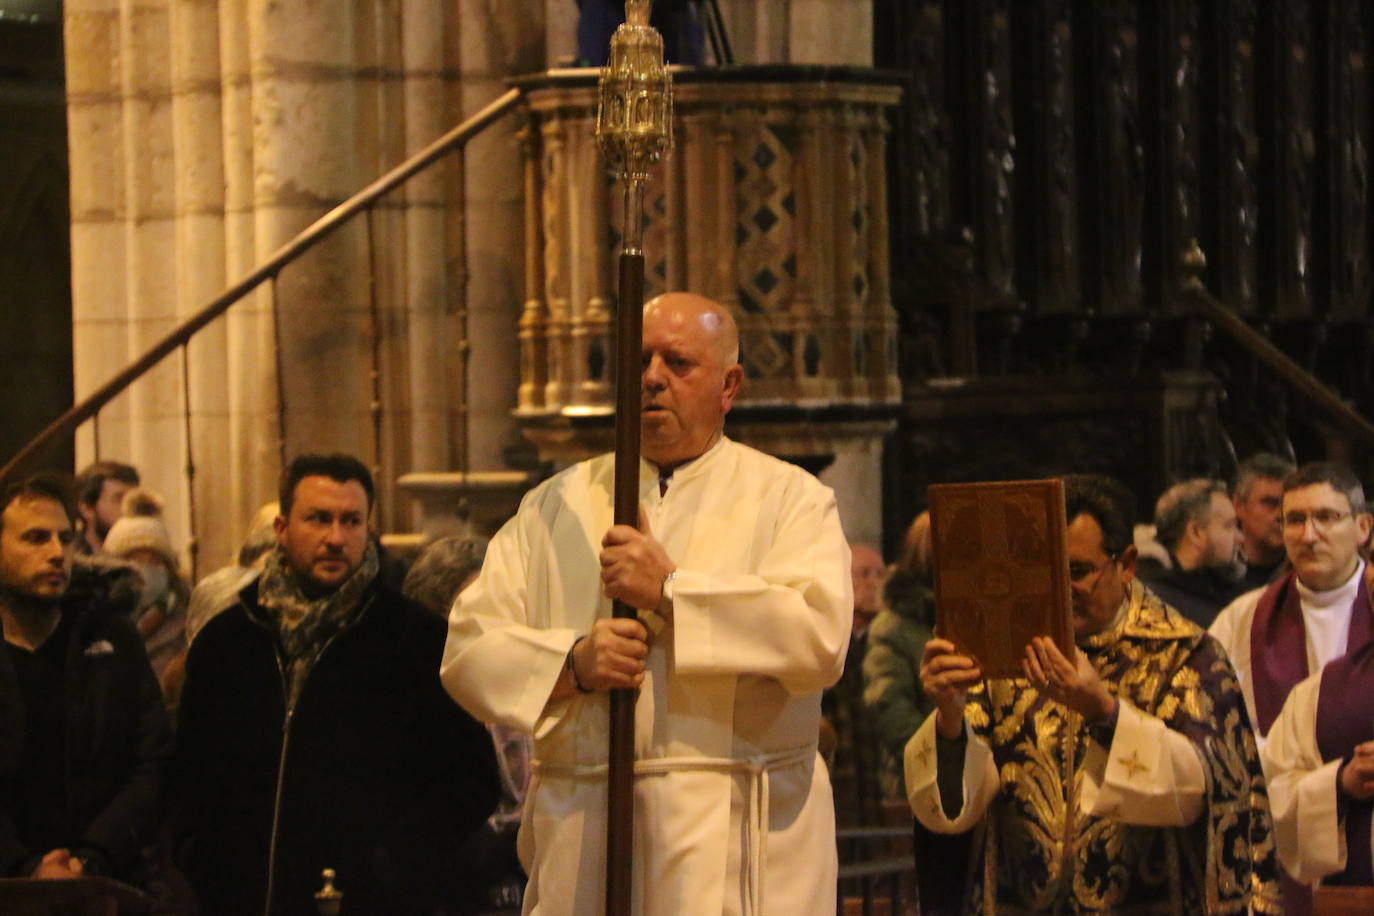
<point>1278,645</point>
<point>1278,663</point>
<point>1345,718</point>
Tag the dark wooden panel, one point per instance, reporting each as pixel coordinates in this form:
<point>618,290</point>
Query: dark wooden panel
<point>982,158</point>
<point>1168,98</point>
<point>1243,123</point>
<point>35,239</point>
<point>1230,150</point>
<point>1110,160</point>
<point>910,39</point>
<point>1046,179</point>
<point>1283,80</point>
<point>1340,259</point>
<point>1148,431</point>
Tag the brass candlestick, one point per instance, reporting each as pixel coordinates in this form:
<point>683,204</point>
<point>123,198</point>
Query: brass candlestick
<point>328,899</point>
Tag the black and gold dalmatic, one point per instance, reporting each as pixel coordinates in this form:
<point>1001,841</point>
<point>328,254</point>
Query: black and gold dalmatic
<point>1046,856</point>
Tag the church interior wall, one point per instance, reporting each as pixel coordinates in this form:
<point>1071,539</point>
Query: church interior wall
<point>188,114</point>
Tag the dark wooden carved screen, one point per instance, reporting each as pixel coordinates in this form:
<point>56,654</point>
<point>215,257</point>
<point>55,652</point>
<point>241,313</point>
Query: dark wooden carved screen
<point>1054,161</point>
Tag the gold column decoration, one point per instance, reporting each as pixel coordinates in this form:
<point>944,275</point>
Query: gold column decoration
<point>533,325</point>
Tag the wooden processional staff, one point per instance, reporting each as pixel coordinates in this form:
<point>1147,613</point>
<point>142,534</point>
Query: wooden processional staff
<point>634,130</point>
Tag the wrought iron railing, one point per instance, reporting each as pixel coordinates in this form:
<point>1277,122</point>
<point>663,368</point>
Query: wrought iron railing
<point>877,871</point>
<point>363,202</point>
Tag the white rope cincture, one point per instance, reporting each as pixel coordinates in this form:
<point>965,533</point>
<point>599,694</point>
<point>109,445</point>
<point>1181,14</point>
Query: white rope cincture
<point>756,767</point>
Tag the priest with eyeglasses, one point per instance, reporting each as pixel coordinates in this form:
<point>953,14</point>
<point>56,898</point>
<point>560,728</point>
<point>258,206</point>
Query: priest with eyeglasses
<point>1301,647</point>
<point>1120,776</point>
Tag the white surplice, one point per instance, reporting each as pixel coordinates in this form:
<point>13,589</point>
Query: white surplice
<point>733,810</point>
<point>1326,622</point>
<point>1302,790</point>
<point>1150,777</point>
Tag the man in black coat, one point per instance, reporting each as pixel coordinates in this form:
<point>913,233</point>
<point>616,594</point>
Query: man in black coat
<point>83,734</point>
<point>1195,521</point>
<point>314,732</point>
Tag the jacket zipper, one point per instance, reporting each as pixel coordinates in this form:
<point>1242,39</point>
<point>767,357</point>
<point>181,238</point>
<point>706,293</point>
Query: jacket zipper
<point>281,774</point>
<point>290,708</point>
<point>70,689</point>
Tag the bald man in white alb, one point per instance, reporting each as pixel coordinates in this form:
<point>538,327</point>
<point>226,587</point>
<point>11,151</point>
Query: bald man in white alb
<point>741,574</point>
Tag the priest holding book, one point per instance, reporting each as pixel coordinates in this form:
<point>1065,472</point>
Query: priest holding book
<point>1119,775</point>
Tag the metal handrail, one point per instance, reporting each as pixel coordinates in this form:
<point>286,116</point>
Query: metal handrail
<point>1302,381</point>
<point>303,242</point>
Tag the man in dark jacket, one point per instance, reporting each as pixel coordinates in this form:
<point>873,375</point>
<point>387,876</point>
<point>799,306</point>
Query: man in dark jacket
<point>1195,521</point>
<point>83,734</point>
<point>314,732</point>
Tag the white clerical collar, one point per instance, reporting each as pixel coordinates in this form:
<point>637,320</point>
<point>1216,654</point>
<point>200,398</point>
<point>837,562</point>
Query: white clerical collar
<point>682,471</point>
<point>1341,596</point>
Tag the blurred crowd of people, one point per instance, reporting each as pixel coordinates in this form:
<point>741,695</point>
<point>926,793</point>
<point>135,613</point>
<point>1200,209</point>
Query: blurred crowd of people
<point>222,745</point>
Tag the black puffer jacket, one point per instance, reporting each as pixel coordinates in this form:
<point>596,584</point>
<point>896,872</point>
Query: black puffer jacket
<point>118,740</point>
<point>381,776</point>
<point>1198,594</point>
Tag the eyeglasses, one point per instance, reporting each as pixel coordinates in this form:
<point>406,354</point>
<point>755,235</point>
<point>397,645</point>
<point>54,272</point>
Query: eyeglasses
<point>1322,519</point>
<point>1079,572</point>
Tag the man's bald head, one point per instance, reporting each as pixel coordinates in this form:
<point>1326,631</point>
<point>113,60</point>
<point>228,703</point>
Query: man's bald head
<point>690,375</point>
<point>714,318</point>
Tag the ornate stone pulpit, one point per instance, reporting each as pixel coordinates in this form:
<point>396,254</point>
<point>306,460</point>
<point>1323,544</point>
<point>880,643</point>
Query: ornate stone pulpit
<point>774,203</point>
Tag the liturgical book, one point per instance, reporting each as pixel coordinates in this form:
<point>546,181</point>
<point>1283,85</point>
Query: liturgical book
<point>1001,570</point>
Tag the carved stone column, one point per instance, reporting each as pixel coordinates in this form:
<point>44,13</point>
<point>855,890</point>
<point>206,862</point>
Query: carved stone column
<point>203,137</point>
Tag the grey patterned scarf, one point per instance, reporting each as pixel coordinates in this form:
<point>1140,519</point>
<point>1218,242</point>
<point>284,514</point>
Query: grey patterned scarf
<point>305,625</point>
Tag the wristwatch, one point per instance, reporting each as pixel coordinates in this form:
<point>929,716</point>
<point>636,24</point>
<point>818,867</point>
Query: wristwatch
<point>572,669</point>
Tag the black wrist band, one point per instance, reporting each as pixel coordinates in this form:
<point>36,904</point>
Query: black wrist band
<point>572,669</point>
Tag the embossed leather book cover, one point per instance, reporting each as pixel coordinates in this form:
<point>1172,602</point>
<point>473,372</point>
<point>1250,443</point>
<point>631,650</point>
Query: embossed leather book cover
<point>1001,569</point>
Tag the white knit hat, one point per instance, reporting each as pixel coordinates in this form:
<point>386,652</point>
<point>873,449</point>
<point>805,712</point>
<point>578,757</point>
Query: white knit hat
<point>140,527</point>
